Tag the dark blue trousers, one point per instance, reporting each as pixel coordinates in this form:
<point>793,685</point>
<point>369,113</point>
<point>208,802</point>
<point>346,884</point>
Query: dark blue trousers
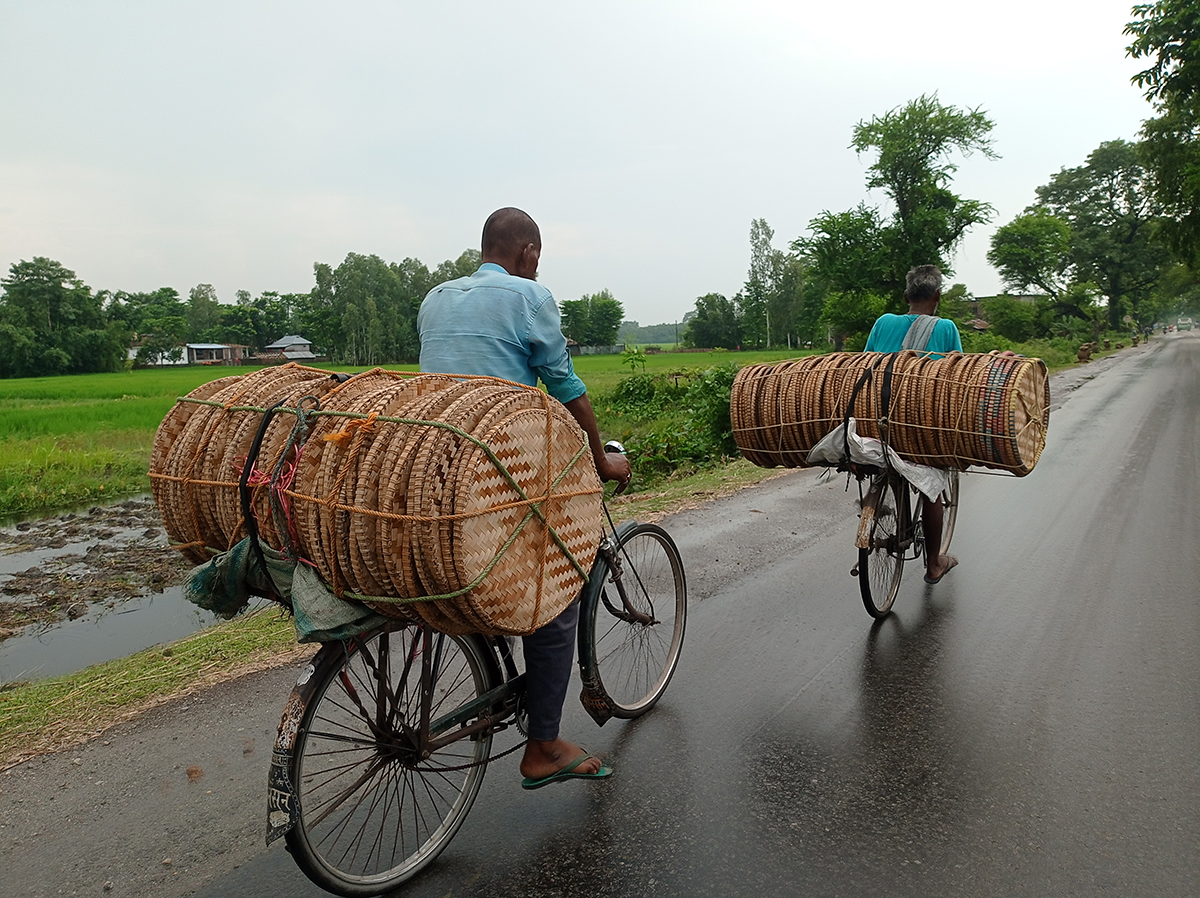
<point>549,654</point>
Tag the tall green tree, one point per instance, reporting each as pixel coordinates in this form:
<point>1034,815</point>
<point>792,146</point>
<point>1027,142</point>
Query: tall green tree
<point>859,255</point>
<point>364,312</point>
<point>1167,34</point>
<point>1033,250</point>
<point>593,319</point>
<point>1115,220</point>
<point>52,323</point>
<point>576,322</point>
<point>204,313</point>
<point>914,146</point>
<point>714,324</point>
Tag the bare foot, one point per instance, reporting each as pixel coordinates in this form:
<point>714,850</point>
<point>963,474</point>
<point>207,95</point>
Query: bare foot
<point>541,759</point>
<point>938,568</point>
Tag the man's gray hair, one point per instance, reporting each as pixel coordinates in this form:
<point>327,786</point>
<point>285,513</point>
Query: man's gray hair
<point>923,282</point>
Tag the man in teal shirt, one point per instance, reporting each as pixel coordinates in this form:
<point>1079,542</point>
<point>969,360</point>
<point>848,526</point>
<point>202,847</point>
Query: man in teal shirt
<point>923,331</point>
<point>923,291</point>
<point>499,322</point>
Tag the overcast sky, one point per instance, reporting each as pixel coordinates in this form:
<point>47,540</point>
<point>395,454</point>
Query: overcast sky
<point>171,144</point>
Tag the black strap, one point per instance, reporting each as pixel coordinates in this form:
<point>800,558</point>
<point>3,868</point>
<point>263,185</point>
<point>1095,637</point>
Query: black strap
<point>863,379</point>
<point>886,393</point>
<point>244,491</point>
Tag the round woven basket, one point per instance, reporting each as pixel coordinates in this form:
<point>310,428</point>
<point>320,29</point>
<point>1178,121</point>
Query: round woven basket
<point>957,411</point>
<point>533,578</point>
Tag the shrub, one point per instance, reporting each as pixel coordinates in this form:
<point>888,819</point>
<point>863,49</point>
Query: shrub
<point>644,397</point>
<point>704,434</point>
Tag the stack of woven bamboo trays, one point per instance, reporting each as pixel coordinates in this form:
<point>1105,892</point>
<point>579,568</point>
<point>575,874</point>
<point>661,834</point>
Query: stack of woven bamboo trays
<point>470,503</point>
<point>951,412</point>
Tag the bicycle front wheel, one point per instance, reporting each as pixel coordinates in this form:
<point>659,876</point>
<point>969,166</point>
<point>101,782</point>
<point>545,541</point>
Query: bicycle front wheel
<point>636,624</point>
<point>373,811</point>
<point>882,562</point>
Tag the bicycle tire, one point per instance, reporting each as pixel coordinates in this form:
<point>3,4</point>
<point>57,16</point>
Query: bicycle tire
<point>633,662</point>
<point>372,813</point>
<point>881,565</point>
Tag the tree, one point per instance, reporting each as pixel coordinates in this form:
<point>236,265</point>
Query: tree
<point>849,317</point>
<point>847,250</point>
<point>714,324</point>
<point>604,318</point>
<point>1033,250</point>
<point>160,321</point>
<point>1168,33</point>
<point>753,301</point>
<point>364,312</point>
<point>1011,318</point>
<point>52,323</point>
<point>1114,219</point>
<point>204,313</point>
<point>575,319</point>
<point>914,145</point>
<point>592,320</point>
<point>859,255</point>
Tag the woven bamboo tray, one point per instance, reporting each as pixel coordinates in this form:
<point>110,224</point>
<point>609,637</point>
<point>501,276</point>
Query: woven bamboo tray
<point>953,412</point>
<point>471,503</point>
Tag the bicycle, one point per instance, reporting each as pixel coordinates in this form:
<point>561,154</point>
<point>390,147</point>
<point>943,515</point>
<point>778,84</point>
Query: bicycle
<point>385,738</point>
<point>890,532</point>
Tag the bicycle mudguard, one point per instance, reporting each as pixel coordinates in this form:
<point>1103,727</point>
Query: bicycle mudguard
<point>866,519</point>
<point>283,809</point>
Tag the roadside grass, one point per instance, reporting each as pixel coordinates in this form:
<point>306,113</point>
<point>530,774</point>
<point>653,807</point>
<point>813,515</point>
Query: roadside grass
<point>51,714</point>
<point>46,472</point>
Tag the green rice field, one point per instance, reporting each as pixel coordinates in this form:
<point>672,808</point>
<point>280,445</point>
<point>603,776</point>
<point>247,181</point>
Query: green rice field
<point>71,441</point>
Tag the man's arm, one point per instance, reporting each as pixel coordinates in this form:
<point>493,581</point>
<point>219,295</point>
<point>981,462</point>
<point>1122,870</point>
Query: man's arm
<point>609,465</point>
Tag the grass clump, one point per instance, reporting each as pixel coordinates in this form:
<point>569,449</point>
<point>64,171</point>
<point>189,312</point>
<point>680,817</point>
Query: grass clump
<point>45,473</point>
<point>51,714</point>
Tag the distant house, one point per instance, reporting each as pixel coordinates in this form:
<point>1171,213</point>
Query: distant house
<point>215,353</point>
<point>194,354</point>
<point>290,348</point>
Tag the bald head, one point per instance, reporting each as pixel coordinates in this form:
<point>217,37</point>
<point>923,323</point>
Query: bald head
<point>511,239</point>
<point>508,231</point>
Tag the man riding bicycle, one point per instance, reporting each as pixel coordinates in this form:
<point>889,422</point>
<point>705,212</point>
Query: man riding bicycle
<point>499,322</point>
<point>921,329</point>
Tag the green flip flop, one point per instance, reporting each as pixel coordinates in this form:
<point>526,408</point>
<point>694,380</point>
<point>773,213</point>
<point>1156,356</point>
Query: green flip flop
<point>567,773</point>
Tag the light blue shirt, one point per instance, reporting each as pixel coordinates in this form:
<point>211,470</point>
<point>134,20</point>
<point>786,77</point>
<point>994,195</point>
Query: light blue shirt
<point>888,335</point>
<point>496,324</point>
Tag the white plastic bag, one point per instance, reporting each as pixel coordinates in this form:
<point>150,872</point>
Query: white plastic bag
<point>831,450</point>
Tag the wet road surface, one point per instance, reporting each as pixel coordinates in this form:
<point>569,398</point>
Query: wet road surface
<point>1028,727</point>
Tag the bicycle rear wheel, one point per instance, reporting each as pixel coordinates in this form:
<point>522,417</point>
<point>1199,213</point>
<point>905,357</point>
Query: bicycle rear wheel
<point>881,564</point>
<point>373,812</point>
<point>636,650</point>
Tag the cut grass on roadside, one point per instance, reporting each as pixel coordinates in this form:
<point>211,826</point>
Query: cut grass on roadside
<point>55,713</point>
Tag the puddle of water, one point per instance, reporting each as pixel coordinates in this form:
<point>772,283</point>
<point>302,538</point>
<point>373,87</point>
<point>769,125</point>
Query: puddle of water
<point>106,629</point>
<point>101,635</point>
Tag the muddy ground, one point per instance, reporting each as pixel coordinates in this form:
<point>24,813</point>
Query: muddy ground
<point>102,555</point>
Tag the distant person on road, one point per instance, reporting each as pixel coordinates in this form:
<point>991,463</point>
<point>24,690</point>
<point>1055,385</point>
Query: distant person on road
<point>921,329</point>
<point>499,322</point>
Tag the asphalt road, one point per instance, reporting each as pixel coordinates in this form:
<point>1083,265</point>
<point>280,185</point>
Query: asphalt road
<point>1028,727</point>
